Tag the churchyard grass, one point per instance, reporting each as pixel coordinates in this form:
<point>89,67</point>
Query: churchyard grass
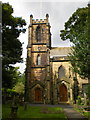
<point>35,112</point>
<point>86,114</point>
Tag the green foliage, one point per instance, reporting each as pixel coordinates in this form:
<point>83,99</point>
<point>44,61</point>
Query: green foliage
<point>86,114</point>
<point>79,100</point>
<point>11,29</point>
<point>10,77</point>
<point>77,30</point>
<point>7,95</point>
<point>76,24</point>
<point>75,89</point>
<point>19,88</point>
<point>13,86</point>
<point>21,78</point>
<point>11,46</point>
<point>87,90</point>
<point>20,85</point>
<point>9,92</point>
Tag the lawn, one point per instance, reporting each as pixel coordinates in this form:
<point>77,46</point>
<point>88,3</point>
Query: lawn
<point>35,112</point>
<point>86,114</point>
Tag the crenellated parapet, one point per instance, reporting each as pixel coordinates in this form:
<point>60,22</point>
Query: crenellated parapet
<point>39,21</point>
<point>35,21</point>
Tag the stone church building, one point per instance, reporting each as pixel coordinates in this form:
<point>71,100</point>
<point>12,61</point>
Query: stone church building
<point>49,78</point>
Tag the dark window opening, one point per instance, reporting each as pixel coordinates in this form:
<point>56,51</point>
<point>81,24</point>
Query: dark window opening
<point>38,34</point>
<point>38,60</point>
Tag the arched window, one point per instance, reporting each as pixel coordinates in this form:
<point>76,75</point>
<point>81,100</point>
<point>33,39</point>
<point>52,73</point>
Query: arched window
<point>38,34</point>
<point>61,72</point>
<point>38,60</point>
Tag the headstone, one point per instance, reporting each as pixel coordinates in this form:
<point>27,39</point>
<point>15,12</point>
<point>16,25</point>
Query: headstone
<point>14,108</point>
<point>25,105</point>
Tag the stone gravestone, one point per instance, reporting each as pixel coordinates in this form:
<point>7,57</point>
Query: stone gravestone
<point>14,108</point>
<point>25,105</point>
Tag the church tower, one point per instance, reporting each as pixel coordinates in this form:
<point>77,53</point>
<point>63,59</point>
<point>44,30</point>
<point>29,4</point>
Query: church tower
<point>38,65</point>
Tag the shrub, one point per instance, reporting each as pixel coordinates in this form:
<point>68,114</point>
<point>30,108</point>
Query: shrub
<point>79,100</point>
<point>7,94</point>
<point>87,90</point>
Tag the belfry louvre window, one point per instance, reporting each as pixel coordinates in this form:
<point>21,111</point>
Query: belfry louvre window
<point>38,34</point>
<point>38,60</point>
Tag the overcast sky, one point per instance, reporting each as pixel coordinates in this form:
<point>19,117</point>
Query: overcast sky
<point>59,13</point>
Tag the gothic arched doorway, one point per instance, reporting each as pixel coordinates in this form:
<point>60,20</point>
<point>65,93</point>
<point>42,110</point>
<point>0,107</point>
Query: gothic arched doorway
<point>38,94</point>
<point>63,93</point>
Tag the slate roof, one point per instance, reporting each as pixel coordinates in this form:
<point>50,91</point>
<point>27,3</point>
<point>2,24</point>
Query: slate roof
<point>59,51</point>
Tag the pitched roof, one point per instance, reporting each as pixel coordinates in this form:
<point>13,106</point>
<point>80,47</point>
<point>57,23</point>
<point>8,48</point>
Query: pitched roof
<point>60,51</point>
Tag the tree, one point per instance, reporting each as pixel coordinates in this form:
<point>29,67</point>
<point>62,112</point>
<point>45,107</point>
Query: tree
<point>87,90</point>
<point>77,30</point>
<point>11,46</point>
<point>75,89</point>
<point>21,78</point>
<point>10,77</point>
<point>19,87</point>
<point>13,76</point>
